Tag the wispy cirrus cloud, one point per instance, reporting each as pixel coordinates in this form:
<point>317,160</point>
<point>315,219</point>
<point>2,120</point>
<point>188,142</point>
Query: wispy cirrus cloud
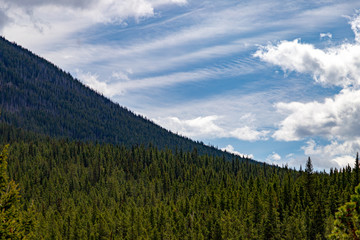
<point>126,82</point>
<point>53,25</point>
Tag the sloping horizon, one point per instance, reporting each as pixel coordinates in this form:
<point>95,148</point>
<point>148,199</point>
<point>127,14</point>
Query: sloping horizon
<point>277,82</point>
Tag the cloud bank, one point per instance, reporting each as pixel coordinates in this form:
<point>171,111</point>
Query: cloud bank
<point>336,118</point>
<point>337,66</point>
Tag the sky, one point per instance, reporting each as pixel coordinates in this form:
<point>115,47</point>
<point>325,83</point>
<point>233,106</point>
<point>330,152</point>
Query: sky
<point>275,80</point>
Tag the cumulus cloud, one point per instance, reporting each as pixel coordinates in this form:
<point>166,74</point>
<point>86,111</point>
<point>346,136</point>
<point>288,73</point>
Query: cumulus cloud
<point>335,154</point>
<point>92,81</point>
<point>210,127</point>
<point>197,127</point>
<point>249,134</point>
<point>336,117</point>
<point>229,148</point>
<point>273,158</point>
<point>355,26</point>
<point>337,66</point>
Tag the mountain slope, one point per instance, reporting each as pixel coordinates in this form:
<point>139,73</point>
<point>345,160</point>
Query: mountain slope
<point>38,96</point>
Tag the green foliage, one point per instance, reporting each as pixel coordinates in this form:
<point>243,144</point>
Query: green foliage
<point>79,190</point>
<point>10,227</point>
<point>89,169</point>
<point>14,223</point>
<point>347,219</point>
<point>39,97</point>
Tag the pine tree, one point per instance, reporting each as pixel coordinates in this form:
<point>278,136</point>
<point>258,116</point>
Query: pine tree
<point>309,179</point>
<point>271,218</point>
<point>14,223</point>
<point>10,224</point>
<point>356,171</point>
<point>347,219</point>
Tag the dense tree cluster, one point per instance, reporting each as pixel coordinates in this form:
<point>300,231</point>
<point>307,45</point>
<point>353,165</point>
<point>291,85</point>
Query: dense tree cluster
<point>102,191</point>
<point>87,168</point>
<point>15,223</point>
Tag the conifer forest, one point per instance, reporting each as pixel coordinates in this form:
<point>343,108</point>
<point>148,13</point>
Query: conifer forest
<point>74,165</point>
<point>61,189</point>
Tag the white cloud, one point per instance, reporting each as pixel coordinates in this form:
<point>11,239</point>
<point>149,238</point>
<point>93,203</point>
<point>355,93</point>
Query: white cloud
<point>325,35</point>
<point>35,3</point>
<point>335,154</point>
<point>112,9</point>
<point>355,26</point>
<point>197,127</point>
<point>338,66</point>
<point>122,75</point>
<point>249,134</point>
<point>47,26</point>
<point>273,158</point>
<point>92,81</point>
<point>229,148</point>
<point>71,34</point>
<point>210,127</point>
<point>344,160</point>
<point>335,118</point>
<point>123,81</point>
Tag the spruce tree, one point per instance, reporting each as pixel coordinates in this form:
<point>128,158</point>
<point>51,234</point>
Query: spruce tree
<point>14,223</point>
<point>10,224</point>
<point>356,171</point>
<point>309,179</point>
<point>347,219</point>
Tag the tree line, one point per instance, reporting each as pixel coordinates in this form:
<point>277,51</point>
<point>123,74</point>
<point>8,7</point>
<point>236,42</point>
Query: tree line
<point>76,190</point>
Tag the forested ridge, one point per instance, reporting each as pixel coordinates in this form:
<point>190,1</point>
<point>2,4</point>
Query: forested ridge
<point>87,168</point>
<point>40,97</point>
<point>78,190</point>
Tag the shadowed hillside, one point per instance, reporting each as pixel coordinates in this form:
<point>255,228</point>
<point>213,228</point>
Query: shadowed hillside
<point>39,97</point>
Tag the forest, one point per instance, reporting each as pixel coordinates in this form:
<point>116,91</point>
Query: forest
<point>76,190</point>
<point>74,165</point>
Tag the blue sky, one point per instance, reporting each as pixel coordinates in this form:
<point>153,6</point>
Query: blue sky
<point>275,80</point>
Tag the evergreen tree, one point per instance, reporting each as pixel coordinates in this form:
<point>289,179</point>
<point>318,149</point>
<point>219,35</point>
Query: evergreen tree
<point>10,224</point>
<point>356,171</point>
<point>347,219</point>
<point>271,218</point>
<point>309,184</point>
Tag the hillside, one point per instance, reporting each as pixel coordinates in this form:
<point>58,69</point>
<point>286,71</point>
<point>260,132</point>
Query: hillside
<point>76,190</point>
<point>87,168</point>
<point>39,97</point>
